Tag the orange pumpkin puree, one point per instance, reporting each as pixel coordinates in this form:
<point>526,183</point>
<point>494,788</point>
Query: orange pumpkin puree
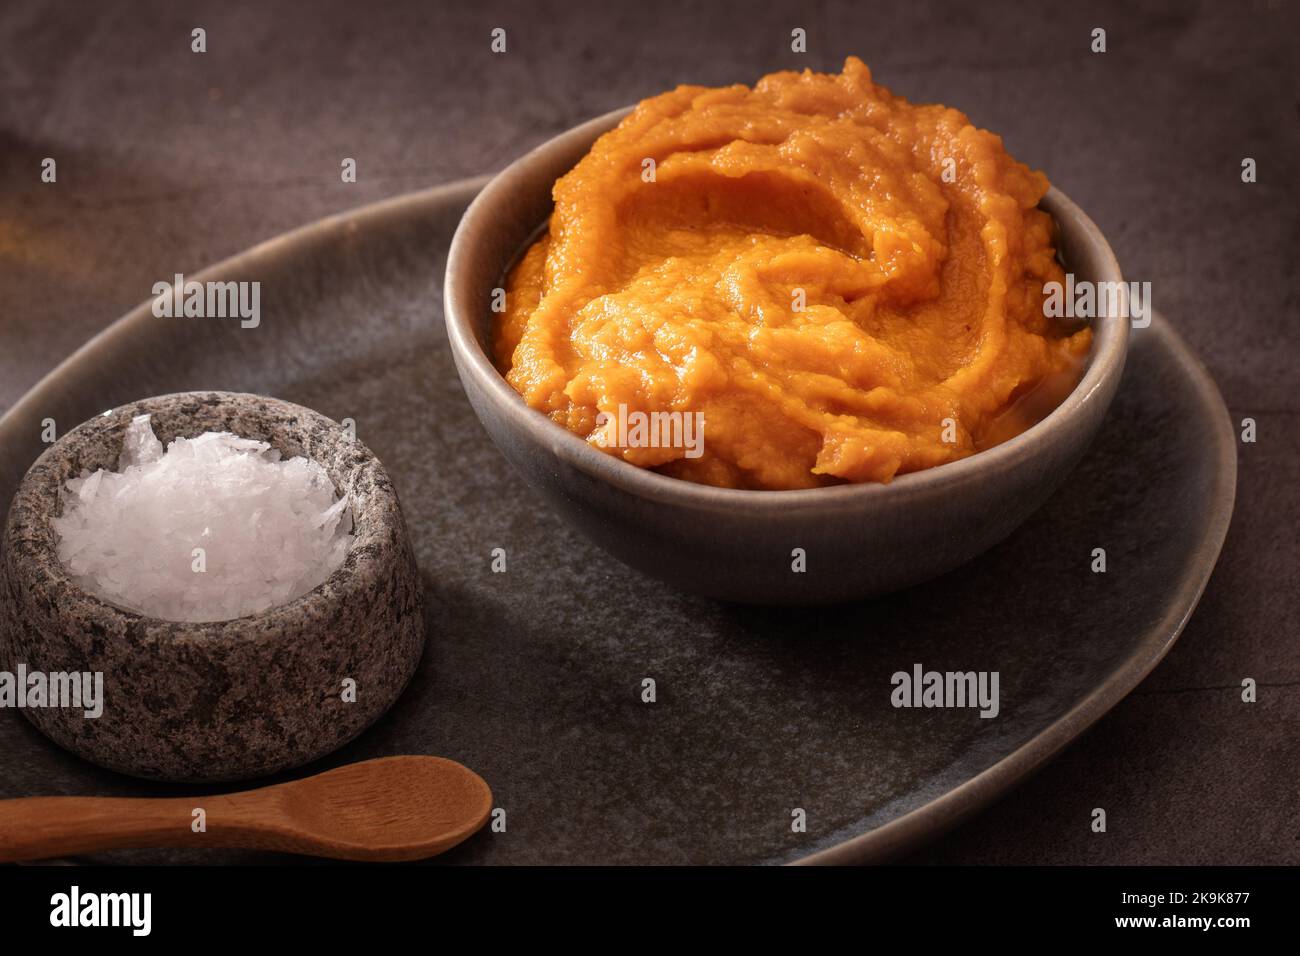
<point>921,327</point>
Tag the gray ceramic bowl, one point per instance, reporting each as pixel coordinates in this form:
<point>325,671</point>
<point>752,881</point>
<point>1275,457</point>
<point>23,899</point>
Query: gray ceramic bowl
<point>230,699</point>
<point>860,540</point>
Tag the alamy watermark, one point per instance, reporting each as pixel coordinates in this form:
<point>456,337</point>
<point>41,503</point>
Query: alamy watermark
<point>77,690</point>
<point>637,429</point>
<point>1094,300</point>
<point>190,299</point>
<point>922,688</point>
<point>133,911</point>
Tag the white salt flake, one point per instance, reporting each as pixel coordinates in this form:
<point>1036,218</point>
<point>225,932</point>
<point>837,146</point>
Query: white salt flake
<point>140,445</point>
<point>270,530</point>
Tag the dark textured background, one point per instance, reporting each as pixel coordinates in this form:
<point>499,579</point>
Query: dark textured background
<point>169,161</point>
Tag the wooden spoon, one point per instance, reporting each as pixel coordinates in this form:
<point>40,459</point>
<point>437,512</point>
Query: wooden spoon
<point>393,808</point>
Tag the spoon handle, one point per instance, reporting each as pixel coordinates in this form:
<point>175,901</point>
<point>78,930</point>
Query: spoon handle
<point>38,828</point>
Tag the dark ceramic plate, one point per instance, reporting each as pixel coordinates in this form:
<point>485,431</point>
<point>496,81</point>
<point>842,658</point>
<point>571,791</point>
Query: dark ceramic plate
<point>533,677</point>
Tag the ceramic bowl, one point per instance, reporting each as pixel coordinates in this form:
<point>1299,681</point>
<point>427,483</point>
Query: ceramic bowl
<point>231,699</point>
<point>858,540</point>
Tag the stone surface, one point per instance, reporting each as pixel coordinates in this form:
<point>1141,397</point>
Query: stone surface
<point>224,700</point>
<point>169,161</point>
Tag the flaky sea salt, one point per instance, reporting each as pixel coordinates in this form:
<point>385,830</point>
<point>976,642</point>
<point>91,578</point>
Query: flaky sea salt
<point>213,528</point>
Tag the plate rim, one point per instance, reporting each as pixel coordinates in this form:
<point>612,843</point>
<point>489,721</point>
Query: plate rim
<point>959,803</point>
<point>278,245</point>
<point>953,807</point>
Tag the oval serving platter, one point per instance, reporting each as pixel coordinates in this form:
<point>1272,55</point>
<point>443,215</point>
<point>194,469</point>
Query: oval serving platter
<point>533,677</point>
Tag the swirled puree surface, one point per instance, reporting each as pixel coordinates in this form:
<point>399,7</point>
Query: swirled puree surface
<point>799,270</point>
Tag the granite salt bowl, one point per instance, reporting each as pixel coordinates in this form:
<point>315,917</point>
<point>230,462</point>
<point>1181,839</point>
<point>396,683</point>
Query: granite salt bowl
<point>231,699</point>
<point>859,541</point>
